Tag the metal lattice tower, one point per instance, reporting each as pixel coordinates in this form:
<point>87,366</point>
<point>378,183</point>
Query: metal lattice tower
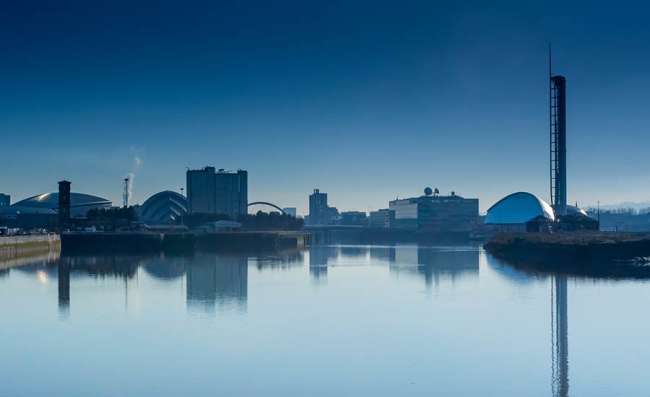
<point>557,92</point>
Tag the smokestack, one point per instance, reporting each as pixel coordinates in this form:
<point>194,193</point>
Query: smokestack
<point>126,194</point>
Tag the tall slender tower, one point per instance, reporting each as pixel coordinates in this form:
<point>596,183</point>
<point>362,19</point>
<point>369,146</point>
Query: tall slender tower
<point>64,205</point>
<point>557,93</point>
<point>126,193</point>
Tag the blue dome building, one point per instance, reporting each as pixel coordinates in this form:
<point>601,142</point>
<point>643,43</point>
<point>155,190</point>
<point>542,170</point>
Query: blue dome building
<point>48,204</point>
<point>519,208</point>
<point>163,208</point>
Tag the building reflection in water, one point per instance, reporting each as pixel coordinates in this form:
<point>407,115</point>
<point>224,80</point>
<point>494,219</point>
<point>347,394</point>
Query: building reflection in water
<point>560,339</point>
<point>280,260</point>
<point>217,280</point>
<point>64,287</point>
<point>435,264</point>
<point>319,257</point>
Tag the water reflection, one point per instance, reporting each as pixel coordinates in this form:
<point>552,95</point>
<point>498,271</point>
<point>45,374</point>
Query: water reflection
<point>319,258</point>
<point>211,280</point>
<point>560,341</point>
<point>431,263</point>
<point>216,283</point>
<point>217,279</point>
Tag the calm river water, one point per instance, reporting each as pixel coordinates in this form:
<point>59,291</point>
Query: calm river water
<point>328,321</point>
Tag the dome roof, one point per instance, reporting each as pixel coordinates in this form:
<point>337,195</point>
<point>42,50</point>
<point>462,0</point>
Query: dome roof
<point>518,208</point>
<point>48,203</point>
<point>574,210</point>
<point>163,208</point>
<point>51,200</point>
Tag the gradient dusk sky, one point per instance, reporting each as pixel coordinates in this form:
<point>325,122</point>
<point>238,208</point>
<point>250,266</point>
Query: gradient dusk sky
<point>366,100</point>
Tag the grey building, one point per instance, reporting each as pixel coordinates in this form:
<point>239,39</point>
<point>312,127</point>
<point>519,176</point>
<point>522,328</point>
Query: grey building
<point>201,191</point>
<point>383,218</point>
<point>354,218</point>
<point>436,213</point>
<point>231,193</point>
<point>319,212</point>
<point>5,200</point>
<point>217,192</point>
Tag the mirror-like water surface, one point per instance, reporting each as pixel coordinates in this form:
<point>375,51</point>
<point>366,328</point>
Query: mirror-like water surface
<point>329,321</point>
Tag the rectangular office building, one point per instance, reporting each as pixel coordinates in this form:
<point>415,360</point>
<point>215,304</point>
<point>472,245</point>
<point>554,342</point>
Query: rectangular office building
<point>201,191</point>
<point>435,213</point>
<point>217,192</point>
<point>231,193</point>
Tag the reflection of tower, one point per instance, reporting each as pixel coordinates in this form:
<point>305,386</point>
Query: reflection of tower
<point>219,280</point>
<point>64,286</point>
<point>560,339</point>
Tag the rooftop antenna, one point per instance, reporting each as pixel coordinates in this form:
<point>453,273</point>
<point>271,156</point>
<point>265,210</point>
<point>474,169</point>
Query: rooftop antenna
<point>125,194</point>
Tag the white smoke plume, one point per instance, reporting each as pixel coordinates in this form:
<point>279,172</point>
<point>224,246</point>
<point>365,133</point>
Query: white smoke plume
<point>137,163</point>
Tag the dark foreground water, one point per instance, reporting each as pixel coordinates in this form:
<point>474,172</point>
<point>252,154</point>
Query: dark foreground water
<point>330,321</point>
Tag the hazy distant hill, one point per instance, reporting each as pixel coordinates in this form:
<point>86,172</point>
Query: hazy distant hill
<point>641,205</point>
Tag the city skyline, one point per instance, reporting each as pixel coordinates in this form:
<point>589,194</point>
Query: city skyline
<point>365,103</point>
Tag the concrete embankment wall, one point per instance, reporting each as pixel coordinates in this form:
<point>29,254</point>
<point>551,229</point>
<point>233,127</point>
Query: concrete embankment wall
<point>18,246</point>
<point>180,242</point>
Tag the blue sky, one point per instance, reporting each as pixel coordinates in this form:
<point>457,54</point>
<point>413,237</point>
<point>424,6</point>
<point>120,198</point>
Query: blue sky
<point>366,100</point>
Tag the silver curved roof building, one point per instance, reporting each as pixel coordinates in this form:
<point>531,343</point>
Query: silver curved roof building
<point>518,208</point>
<point>48,203</point>
<point>163,208</point>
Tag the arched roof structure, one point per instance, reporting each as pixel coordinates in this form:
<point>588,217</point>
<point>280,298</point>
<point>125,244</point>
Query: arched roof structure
<point>518,208</point>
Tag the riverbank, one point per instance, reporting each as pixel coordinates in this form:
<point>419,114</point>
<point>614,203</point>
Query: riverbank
<point>142,242</point>
<point>593,254</point>
<point>13,247</point>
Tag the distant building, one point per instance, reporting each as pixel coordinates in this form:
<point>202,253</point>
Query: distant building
<point>163,208</point>
<point>217,192</point>
<point>43,210</point>
<point>354,218</point>
<point>232,193</point>
<point>518,211</point>
<point>291,211</point>
<point>201,191</point>
<point>383,218</point>
<point>5,200</point>
<point>435,213</point>
<point>319,212</point>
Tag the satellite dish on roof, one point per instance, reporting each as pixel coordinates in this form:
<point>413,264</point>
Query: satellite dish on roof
<point>428,191</point>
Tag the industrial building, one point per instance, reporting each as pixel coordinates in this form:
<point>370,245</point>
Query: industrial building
<point>162,208</point>
<point>201,191</point>
<point>217,192</point>
<point>432,212</point>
